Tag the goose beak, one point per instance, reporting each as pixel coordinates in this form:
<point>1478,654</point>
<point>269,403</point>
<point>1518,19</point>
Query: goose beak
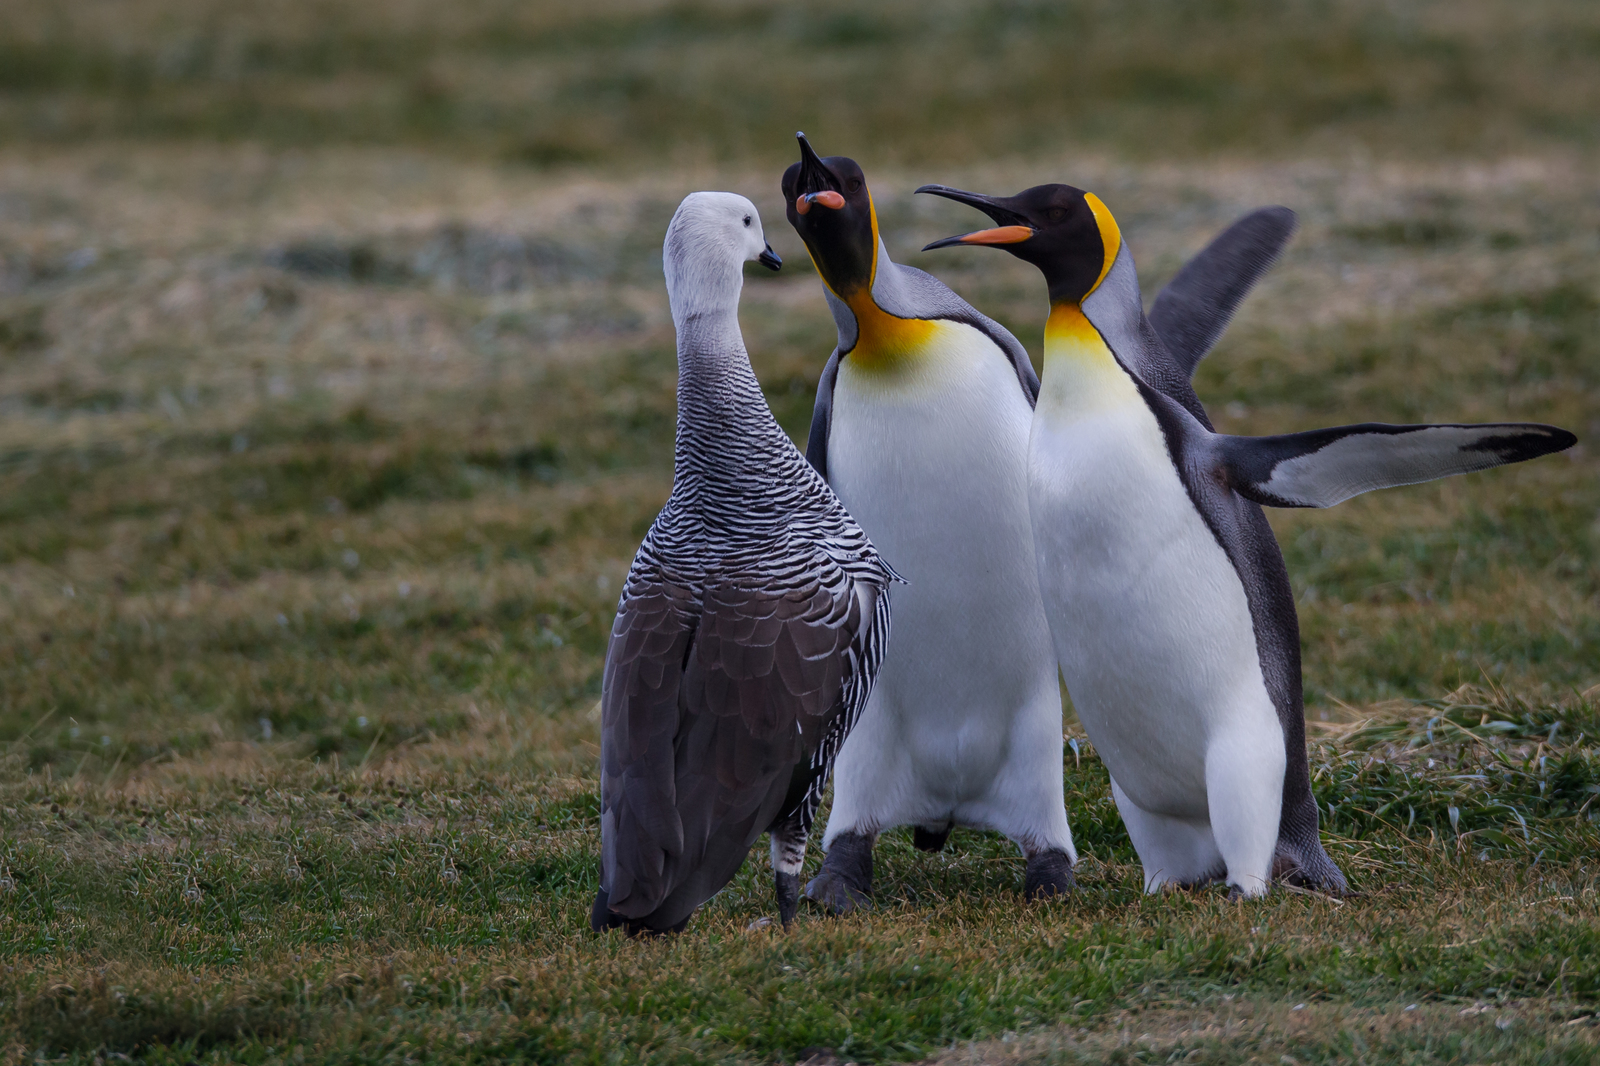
<point>769,259</point>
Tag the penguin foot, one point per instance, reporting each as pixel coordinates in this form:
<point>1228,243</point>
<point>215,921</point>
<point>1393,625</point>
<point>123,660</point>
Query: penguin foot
<point>844,883</point>
<point>1319,874</point>
<point>1049,874</point>
<point>929,839</point>
<point>788,892</point>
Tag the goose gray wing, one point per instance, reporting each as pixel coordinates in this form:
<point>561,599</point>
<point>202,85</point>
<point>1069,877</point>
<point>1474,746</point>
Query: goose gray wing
<point>1196,306</point>
<point>1323,467</point>
<point>641,704</point>
<point>862,661</point>
<point>706,719</point>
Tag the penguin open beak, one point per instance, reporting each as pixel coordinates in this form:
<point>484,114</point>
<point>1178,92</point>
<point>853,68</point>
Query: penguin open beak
<point>815,178</point>
<point>1013,228</point>
<point>830,199</point>
<point>997,235</point>
<point>769,259</point>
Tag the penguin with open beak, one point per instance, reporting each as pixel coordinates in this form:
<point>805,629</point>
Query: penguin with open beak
<point>1168,600</point>
<point>921,428</point>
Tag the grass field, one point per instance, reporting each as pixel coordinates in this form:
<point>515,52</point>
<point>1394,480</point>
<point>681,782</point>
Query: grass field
<point>336,375</point>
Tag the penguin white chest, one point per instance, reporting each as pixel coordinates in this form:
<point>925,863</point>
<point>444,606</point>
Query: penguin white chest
<point>930,456</point>
<point>1148,614</point>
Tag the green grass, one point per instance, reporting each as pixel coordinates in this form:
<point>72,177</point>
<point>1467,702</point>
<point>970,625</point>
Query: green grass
<point>251,904</point>
<point>336,392</point>
<point>309,570</point>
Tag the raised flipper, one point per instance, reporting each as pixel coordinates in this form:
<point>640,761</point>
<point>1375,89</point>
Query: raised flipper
<point>1323,467</point>
<point>1193,310</point>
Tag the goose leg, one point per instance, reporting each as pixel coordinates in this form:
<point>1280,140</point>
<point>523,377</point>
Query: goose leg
<point>788,855</point>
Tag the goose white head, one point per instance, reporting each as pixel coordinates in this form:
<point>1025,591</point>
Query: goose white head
<point>711,236</point>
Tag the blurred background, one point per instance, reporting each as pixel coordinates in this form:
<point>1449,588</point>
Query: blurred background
<point>336,379</point>
<point>644,86</point>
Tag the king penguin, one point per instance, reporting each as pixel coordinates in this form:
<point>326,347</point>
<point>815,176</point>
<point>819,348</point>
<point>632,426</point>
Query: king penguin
<point>750,628</point>
<point>1169,603</point>
<point>921,427</point>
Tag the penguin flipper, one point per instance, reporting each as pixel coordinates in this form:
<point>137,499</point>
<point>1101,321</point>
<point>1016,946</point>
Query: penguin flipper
<point>907,292</point>
<point>822,417</point>
<point>1322,467</point>
<point>1195,307</point>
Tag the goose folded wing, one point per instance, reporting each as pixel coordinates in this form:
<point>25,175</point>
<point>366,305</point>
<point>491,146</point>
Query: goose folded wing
<point>642,692</point>
<point>1323,467</point>
<point>1195,307</point>
<point>705,721</point>
<point>763,685</point>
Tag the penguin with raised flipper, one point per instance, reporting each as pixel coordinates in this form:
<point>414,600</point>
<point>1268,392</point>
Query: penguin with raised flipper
<point>1169,603</point>
<point>921,426</point>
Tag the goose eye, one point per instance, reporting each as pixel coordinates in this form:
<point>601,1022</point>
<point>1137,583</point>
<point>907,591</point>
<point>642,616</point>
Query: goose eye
<point>747,222</point>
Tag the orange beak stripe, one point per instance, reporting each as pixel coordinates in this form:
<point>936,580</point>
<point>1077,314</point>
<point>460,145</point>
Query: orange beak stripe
<point>802,204</point>
<point>999,235</point>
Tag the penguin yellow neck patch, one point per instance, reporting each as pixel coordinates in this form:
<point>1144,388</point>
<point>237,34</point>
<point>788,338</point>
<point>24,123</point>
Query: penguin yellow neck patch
<point>1080,373</point>
<point>882,340</point>
<point>1068,329</point>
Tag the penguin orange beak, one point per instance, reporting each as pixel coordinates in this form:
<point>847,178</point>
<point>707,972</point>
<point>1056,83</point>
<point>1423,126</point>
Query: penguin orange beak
<point>829,199</point>
<point>1013,228</point>
<point>998,235</point>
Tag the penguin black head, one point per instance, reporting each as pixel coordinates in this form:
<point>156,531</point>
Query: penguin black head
<point>828,204</point>
<point>1065,232</point>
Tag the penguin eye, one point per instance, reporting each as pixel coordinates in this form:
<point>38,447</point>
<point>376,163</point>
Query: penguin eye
<point>1056,214</point>
<point>855,185</point>
<point>747,222</point>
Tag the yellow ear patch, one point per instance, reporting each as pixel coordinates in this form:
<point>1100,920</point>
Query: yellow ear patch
<point>872,213</point>
<point>1110,235</point>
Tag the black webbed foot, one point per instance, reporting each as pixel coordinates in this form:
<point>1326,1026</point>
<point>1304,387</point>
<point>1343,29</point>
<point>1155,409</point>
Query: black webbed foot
<point>845,881</point>
<point>601,916</point>
<point>1049,874</point>
<point>1309,868</point>
<point>929,839</point>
